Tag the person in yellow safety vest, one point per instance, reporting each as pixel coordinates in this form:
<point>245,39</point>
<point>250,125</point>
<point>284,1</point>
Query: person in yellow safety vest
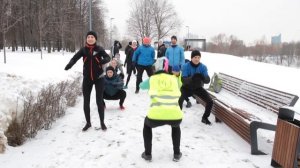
<point>164,109</point>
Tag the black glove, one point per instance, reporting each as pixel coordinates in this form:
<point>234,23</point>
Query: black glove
<point>121,75</point>
<point>68,66</point>
<point>198,77</point>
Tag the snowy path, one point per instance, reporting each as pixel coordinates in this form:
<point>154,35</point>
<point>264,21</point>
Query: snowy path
<point>64,145</point>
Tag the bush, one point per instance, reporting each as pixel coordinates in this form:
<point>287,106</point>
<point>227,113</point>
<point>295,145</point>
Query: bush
<point>40,111</point>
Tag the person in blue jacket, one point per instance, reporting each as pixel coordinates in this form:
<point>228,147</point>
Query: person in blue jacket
<point>194,76</point>
<point>175,54</point>
<point>113,87</point>
<point>143,59</point>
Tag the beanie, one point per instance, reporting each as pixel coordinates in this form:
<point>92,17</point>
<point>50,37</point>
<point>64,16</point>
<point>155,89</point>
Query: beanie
<point>161,64</point>
<point>92,33</point>
<point>176,68</point>
<point>146,40</point>
<point>195,53</point>
<point>110,68</point>
<point>174,37</point>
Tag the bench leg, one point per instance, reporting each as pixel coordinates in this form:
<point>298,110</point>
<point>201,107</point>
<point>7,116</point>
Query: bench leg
<point>253,135</point>
<point>217,120</point>
<point>275,164</point>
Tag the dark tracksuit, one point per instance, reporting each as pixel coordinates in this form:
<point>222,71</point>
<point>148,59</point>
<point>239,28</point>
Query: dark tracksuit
<point>193,84</point>
<point>128,62</point>
<point>93,58</point>
<point>114,89</point>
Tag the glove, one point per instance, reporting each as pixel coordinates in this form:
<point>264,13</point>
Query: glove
<point>198,77</point>
<point>121,75</point>
<point>68,66</point>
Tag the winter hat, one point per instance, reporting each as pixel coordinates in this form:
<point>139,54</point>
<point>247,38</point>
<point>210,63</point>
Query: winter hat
<point>134,41</point>
<point>195,53</point>
<point>110,68</point>
<point>146,40</point>
<point>174,37</point>
<point>161,64</point>
<point>176,68</point>
<point>92,33</point>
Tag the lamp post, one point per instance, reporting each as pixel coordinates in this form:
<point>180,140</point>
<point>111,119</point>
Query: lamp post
<point>110,32</point>
<point>90,13</point>
<point>188,28</point>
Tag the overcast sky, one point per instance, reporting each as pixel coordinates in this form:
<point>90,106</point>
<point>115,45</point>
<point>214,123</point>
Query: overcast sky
<point>249,20</point>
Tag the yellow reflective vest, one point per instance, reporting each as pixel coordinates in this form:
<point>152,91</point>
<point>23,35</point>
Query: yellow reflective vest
<point>164,92</point>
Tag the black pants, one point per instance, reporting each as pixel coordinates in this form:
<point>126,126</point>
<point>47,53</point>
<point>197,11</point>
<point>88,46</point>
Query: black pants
<point>87,86</point>
<point>147,134</point>
<point>130,69</point>
<point>140,71</point>
<point>121,94</point>
<point>202,94</point>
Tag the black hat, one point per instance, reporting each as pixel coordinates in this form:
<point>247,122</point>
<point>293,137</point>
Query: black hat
<point>92,33</point>
<point>110,68</point>
<point>174,37</point>
<point>195,53</point>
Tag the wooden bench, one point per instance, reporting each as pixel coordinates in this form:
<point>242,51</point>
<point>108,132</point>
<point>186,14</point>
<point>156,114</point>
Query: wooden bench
<point>286,150</point>
<point>246,123</point>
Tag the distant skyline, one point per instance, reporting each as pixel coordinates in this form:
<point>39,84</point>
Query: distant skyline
<point>248,20</point>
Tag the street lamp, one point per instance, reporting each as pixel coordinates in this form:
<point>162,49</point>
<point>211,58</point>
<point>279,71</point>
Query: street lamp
<point>188,28</point>
<point>90,13</point>
<point>110,32</point>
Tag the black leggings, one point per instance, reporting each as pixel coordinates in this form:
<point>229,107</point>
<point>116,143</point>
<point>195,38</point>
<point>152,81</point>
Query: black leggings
<point>147,134</point>
<point>130,68</point>
<point>87,86</point>
<point>140,71</point>
<point>121,94</point>
<point>202,94</point>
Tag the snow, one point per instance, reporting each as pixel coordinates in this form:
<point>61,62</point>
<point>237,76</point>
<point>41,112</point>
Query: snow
<point>65,145</point>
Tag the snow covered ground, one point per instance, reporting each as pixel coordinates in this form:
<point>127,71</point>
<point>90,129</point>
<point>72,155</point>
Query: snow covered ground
<point>65,145</point>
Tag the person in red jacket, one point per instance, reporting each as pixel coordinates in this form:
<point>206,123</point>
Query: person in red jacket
<point>94,57</point>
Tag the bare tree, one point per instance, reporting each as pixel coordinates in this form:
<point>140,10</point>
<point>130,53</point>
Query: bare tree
<point>152,18</point>
<point>8,19</point>
<point>165,18</point>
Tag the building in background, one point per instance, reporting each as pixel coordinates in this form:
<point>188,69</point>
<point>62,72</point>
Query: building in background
<point>276,40</point>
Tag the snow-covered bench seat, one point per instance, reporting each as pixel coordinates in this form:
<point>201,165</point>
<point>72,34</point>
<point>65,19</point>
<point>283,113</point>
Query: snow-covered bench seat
<point>246,107</point>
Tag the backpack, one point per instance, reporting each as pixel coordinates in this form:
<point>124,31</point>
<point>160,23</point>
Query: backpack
<point>215,84</point>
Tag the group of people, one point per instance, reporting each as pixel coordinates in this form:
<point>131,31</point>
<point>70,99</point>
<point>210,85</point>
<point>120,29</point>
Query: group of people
<point>172,79</point>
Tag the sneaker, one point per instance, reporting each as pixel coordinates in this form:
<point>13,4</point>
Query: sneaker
<point>136,91</point>
<point>188,104</point>
<point>86,127</point>
<point>206,121</point>
<point>146,157</point>
<point>122,107</point>
<point>177,157</point>
<point>103,127</point>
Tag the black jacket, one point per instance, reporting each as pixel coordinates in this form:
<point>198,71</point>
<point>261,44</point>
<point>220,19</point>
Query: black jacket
<point>161,51</point>
<point>128,59</point>
<point>92,63</point>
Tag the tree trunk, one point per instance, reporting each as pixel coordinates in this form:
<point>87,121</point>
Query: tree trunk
<point>4,45</point>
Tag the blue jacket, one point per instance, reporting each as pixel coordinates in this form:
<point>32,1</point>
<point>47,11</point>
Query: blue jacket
<point>188,72</point>
<point>113,85</point>
<point>175,56</point>
<point>144,55</point>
